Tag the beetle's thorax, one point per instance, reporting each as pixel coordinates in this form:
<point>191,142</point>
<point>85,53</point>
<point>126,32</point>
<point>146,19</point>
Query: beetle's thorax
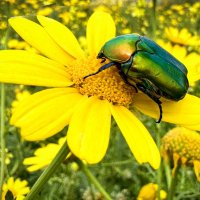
<point>120,49</point>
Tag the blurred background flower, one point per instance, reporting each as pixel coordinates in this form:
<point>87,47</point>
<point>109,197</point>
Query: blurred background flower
<point>182,147</point>
<point>15,189</point>
<point>181,37</point>
<point>43,156</point>
<point>149,192</point>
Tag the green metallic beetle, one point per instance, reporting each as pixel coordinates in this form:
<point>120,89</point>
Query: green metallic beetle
<point>146,66</point>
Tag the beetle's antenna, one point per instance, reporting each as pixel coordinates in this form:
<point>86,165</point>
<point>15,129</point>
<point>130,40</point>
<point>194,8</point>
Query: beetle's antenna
<point>106,66</point>
<point>160,108</point>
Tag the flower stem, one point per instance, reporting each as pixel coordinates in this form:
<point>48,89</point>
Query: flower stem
<point>46,175</point>
<point>173,184</point>
<point>159,171</point>
<point>2,129</point>
<point>93,180</point>
<point>4,40</point>
<point>154,24</point>
<point>167,174</point>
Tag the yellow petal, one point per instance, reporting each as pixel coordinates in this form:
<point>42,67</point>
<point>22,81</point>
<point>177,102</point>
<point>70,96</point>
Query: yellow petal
<point>89,130</point>
<point>137,137</point>
<point>184,112</point>
<point>197,169</point>
<point>62,36</point>
<point>22,67</point>
<point>100,28</point>
<point>45,113</point>
<point>36,36</point>
<point>193,127</point>
<point>176,159</point>
<point>35,167</point>
<point>192,61</point>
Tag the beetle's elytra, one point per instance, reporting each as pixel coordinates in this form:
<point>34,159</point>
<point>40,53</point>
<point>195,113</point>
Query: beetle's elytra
<point>146,66</point>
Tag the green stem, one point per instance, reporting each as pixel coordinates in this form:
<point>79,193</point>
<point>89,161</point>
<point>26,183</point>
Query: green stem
<point>46,175</point>
<point>159,171</point>
<point>3,169</point>
<point>3,145</point>
<point>154,21</point>
<point>173,184</point>
<point>167,174</point>
<point>123,162</point>
<point>93,180</point>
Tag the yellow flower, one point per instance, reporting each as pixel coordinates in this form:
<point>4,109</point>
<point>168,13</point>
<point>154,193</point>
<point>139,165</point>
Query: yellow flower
<point>182,37</point>
<point>45,11</point>
<point>182,145</point>
<point>43,156</point>
<point>17,187</point>
<point>149,192</point>
<point>85,105</point>
<point>191,60</point>
<point>3,25</point>
<point>8,156</point>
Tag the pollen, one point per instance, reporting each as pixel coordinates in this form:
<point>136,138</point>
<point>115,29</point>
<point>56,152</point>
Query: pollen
<point>108,84</point>
<point>183,142</point>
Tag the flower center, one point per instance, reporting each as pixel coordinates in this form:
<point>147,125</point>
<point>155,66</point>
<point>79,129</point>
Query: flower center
<point>107,84</point>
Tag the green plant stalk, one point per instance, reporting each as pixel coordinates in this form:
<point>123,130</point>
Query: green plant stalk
<point>2,121</point>
<point>167,174</point>
<point>173,184</point>
<point>159,171</point>
<point>154,24</point>
<point>46,175</point>
<point>93,180</point>
<point>3,145</point>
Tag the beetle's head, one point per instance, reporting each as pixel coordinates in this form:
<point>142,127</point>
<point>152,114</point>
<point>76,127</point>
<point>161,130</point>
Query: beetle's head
<point>119,49</point>
<point>101,55</point>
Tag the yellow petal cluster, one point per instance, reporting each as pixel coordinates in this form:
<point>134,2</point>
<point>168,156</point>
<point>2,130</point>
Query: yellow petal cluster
<point>184,145</point>
<point>149,192</point>
<point>17,187</point>
<point>43,156</point>
<point>182,37</point>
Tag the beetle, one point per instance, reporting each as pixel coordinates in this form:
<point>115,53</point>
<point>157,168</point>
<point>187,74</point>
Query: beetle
<point>146,66</point>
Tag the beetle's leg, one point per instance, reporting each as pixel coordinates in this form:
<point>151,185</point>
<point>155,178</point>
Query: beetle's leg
<point>160,108</point>
<point>106,66</point>
<point>124,77</point>
<point>154,98</point>
<point>125,66</point>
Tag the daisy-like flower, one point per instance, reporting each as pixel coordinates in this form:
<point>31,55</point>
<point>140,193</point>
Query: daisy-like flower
<point>149,192</point>
<point>182,37</point>
<point>17,188</point>
<point>43,156</point>
<point>85,105</point>
<point>182,145</point>
<point>191,60</point>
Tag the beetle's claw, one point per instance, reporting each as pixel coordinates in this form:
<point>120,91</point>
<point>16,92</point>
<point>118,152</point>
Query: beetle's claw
<point>160,108</point>
<point>103,60</point>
